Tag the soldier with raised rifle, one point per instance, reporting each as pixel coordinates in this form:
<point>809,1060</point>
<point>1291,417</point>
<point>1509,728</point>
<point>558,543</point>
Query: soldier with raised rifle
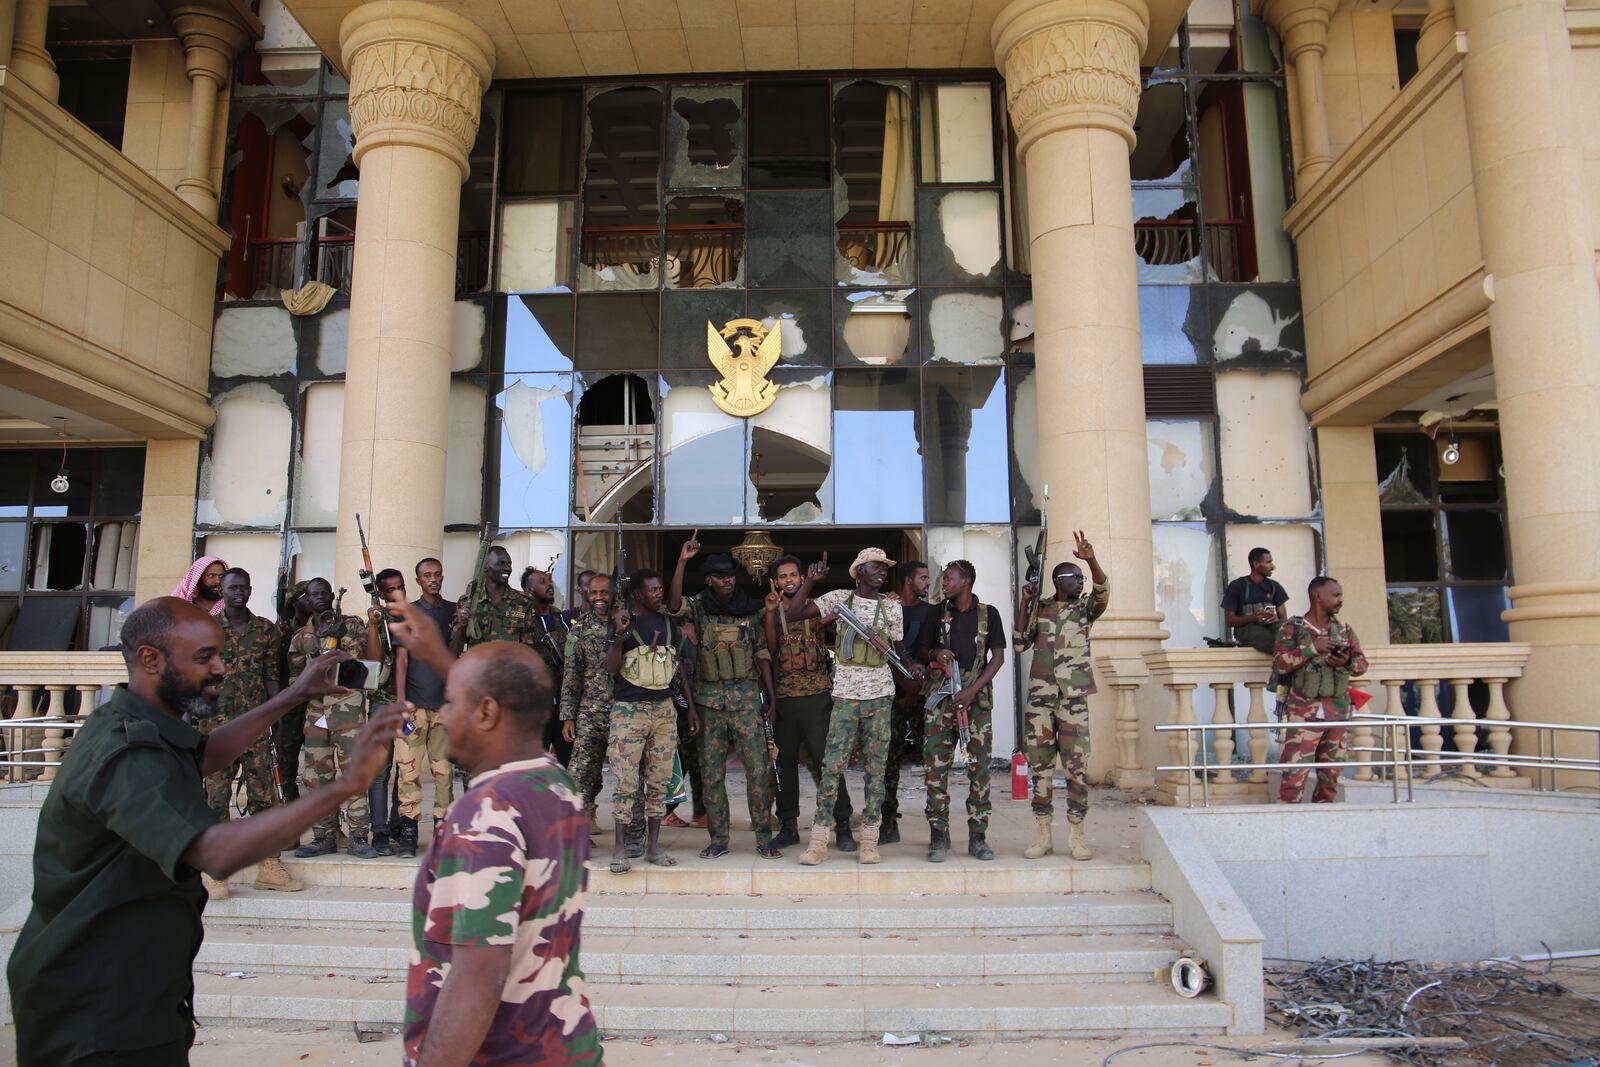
<point>493,611</point>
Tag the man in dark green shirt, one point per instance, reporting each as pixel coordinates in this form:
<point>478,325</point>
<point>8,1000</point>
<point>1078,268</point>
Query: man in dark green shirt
<point>102,970</point>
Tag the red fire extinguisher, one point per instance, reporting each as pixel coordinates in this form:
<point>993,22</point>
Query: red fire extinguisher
<point>1019,776</point>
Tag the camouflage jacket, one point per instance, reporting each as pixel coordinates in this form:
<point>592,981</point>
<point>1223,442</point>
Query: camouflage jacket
<point>306,646</point>
<point>585,683</point>
<point>1301,667</point>
<point>250,660</point>
<point>1059,638</point>
<point>723,636</point>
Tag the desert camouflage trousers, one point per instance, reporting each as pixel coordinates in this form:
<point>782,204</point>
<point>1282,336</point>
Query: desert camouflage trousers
<point>866,722</point>
<point>735,731</point>
<point>1058,727</point>
<point>328,751</point>
<point>940,735</point>
<point>426,742</point>
<point>643,737</point>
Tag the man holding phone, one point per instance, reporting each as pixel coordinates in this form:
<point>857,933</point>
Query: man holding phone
<point>332,722</point>
<point>1316,656</point>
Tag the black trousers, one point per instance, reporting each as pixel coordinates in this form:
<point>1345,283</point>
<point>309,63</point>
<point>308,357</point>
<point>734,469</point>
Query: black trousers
<point>173,1055</point>
<point>907,720</point>
<point>689,756</point>
<point>803,725</point>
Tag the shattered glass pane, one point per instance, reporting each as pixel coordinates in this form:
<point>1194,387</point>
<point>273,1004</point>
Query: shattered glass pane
<point>1243,185</point>
<point>1410,551</point>
<point>704,471</point>
<point>1019,321</point>
<point>791,452</point>
<point>875,328</point>
<point>1261,325</point>
<point>791,238</point>
<point>115,547</point>
<point>966,326</point>
<point>244,477</point>
<point>469,328</point>
<point>616,450</point>
<point>621,241</point>
<point>788,124</point>
<point>705,242</point>
<point>1183,468</point>
<point>336,166</point>
<point>463,459</point>
<point>618,331</point>
<point>807,322</point>
<point>958,236</point>
<point>1474,545</point>
<point>1475,612</point>
<point>705,137</point>
<point>875,436</point>
<point>873,193</point>
<point>1404,468</point>
<point>316,476</point>
<point>957,132</point>
<point>257,342</point>
<point>536,245</point>
<point>1026,481</point>
<point>1188,585</point>
<point>538,333</point>
<point>1161,152</point>
<point>1165,236</point>
<point>535,451</point>
<point>58,552</point>
<point>684,316</point>
<point>539,156</point>
<point>964,433</point>
<point>1415,617</point>
<point>1173,325</point>
<point>336,247</point>
<point>333,341</point>
<point>268,175</point>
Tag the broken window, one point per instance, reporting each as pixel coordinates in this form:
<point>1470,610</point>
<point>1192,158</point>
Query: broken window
<point>538,333</point>
<point>1165,235</point>
<point>1161,132</point>
<point>337,176</point>
<point>1243,185</point>
<point>1414,617</point>
<point>965,326</point>
<point>269,178</point>
<point>463,459</point>
<point>1404,470</point>
<point>620,246</point>
<point>616,450</point>
<point>806,320</point>
<point>789,135</point>
<point>244,474</point>
<point>1188,582</point>
<point>705,242</point>
<point>13,540</point>
<point>877,478</point>
<point>964,445</point>
<point>539,155</point>
<point>1183,468</point>
<point>1410,551</point>
<point>535,450</point>
<point>618,331</point>
<point>336,248</point>
<point>312,555</point>
<point>873,192</point>
<point>1474,544</point>
<point>332,330</point>
<point>1173,324</point>
<point>791,238</point>
<point>956,121</point>
<point>536,239</point>
<point>705,137</point>
<point>958,236</point>
<point>875,328</point>
<point>1253,409</point>
<point>684,317</point>
<point>256,342</point>
<point>791,452</point>
<point>316,478</point>
<point>59,552</point>
<point>1019,321</point>
<point>1026,481</point>
<point>703,465</point>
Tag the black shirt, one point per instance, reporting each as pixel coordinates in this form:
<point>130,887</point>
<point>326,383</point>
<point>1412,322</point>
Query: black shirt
<point>922,628</point>
<point>963,633</point>
<point>1242,592</point>
<point>650,630</point>
<point>105,960</point>
<point>424,685</point>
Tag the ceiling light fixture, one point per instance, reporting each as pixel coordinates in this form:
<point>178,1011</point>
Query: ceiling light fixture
<point>59,483</point>
<point>1452,451</point>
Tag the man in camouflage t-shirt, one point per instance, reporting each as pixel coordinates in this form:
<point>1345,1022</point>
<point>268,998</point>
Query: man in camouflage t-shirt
<point>499,898</point>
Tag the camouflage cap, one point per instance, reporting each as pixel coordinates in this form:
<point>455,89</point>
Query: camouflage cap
<point>870,555</point>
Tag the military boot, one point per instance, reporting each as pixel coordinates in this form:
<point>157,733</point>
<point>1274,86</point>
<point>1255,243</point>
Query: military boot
<point>1075,842</point>
<point>869,843</point>
<point>843,840</point>
<point>319,846</point>
<point>216,888</point>
<point>788,834</point>
<point>1044,844</point>
<point>817,847</point>
<point>889,831</point>
<point>405,842</point>
<point>272,874</point>
<point>938,844</point>
<point>360,846</point>
<point>978,848</point>
<point>381,844</point>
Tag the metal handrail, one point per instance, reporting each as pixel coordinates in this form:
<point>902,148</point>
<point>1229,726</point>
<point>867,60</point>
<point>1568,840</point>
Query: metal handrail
<point>1396,730</point>
<point>8,758</point>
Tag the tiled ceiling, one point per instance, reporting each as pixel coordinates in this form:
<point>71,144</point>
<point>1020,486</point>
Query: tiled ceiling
<point>588,38</point>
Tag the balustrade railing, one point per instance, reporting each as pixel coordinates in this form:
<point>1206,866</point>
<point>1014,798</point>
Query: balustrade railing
<point>44,695</point>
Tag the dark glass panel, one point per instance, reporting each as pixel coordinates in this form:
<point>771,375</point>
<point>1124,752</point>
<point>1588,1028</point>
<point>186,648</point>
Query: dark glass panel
<point>1475,545</point>
<point>791,238</point>
<point>789,135</point>
<point>1403,469</point>
<point>618,331</point>
<point>684,316</point>
<point>118,481</point>
<point>543,134</point>
<point>1410,553</point>
<point>807,322</point>
<point>1475,612</point>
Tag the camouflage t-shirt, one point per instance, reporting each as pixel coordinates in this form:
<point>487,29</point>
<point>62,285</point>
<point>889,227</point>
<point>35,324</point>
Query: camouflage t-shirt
<point>507,868</point>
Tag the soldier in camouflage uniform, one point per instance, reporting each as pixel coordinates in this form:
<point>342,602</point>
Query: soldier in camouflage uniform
<point>250,657</point>
<point>586,700</point>
<point>1059,683</point>
<point>647,659</point>
<point>333,722</point>
<point>905,725</point>
<point>969,632</point>
<point>498,903</point>
<point>291,735</point>
<point>505,614</point>
<point>1316,656</point>
<point>733,674</point>
<point>863,691</point>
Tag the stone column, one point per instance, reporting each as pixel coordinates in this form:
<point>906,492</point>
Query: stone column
<point>417,76</point>
<point>1072,87</point>
<point>1353,529</point>
<point>30,60</point>
<point>1303,25</point>
<point>1437,29</point>
<point>166,516</point>
<point>211,37</point>
<point>8,26</point>
<point>1523,132</point>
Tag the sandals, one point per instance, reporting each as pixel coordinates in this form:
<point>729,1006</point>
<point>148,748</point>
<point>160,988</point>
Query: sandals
<point>713,851</point>
<point>620,867</point>
<point>767,850</point>
<point>661,859</point>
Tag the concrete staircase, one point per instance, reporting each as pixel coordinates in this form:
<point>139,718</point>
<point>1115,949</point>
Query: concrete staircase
<point>752,949</point>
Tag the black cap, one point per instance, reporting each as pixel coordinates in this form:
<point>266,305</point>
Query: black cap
<point>718,564</point>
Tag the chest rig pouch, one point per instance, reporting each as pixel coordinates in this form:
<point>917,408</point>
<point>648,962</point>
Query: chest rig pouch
<point>980,645</point>
<point>855,651</point>
<point>649,666</point>
<point>726,652</point>
<point>798,649</point>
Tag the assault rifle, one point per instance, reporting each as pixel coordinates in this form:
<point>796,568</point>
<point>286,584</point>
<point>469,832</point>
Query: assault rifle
<point>369,582</point>
<point>855,628</point>
<point>946,691</point>
<point>477,592</point>
<point>619,572</point>
<point>772,744</point>
<point>1035,577</point>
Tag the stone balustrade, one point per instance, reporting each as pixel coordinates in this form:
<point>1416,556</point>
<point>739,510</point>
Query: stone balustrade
<point>1390,668</point>
<point>35,684</point>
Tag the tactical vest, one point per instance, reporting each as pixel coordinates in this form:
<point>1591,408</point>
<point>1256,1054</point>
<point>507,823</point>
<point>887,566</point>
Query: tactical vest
<point>650,666</point>
<point>798,650</point>
<point>853,650</point>
<point>1317,680</point>
<point>727,653</point>
<point>979,646</point>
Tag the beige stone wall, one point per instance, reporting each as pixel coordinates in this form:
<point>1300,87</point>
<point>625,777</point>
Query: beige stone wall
<point>1583,23</point>
<point>107,280</point>
<point>155,131</point>
<point>1360,73</point>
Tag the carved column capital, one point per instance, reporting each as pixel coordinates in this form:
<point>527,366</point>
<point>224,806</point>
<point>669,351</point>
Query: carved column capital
<point>1071,63</point>
<point>212,36</point>
<point>1303,24</point>
<point>417,77</point>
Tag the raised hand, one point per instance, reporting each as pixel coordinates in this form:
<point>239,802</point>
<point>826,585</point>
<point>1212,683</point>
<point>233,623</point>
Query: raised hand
<point>317,680</point>
<point>375,744</point>
<point>691,547</point>
<point>818,570</point>
<point>774,599</point>
<point>1083,549</point>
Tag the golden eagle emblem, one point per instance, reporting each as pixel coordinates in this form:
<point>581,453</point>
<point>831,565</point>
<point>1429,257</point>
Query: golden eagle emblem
<point>744,389</point>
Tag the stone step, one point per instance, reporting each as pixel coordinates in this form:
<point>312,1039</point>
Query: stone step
<point>994,1009</point>
<point>961,960</point>
<point>903,870</point>
<point>727,916</point>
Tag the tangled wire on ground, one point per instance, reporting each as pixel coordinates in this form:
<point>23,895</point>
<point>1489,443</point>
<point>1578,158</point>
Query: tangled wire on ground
<point>1505,1014</point>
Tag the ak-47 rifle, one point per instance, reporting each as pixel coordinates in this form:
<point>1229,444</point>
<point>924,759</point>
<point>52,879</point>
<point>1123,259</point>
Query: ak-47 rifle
<point>477,592</point>
<point>369,582</point>
<point>856,628</point>
<point>947,691</point>
<point>619,572</point>
<point>1035,576</point>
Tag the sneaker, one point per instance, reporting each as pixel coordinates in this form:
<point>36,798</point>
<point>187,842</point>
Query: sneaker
<point>319,846</point>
